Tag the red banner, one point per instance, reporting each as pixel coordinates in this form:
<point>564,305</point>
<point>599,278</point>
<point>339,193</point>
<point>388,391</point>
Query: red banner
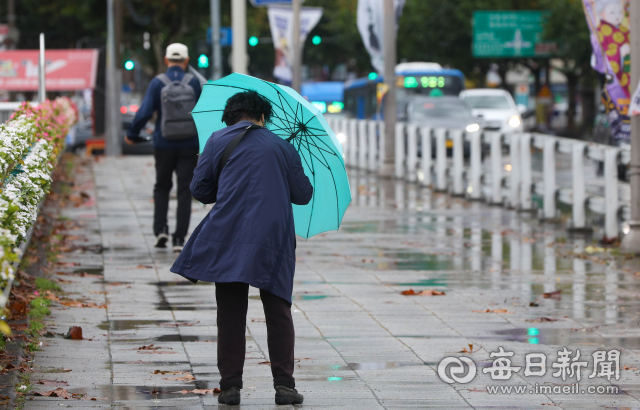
<point>66,70</point>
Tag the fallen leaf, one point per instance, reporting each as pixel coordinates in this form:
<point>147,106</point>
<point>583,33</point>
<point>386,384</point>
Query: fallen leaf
<point>149,347</point>
<point>168,372</point>
<point>59,392</point>
<point>556,294</point>
<point>17,307</point>
<point>430,293</point>
<point>52,383</point>
<point>464,349</point>
<point>409,292</point>
<point>533,304</point>
<point>629,368</point>
<point>264,363</point>
<point>258,320</point>
<point>542,319</point>
<point>74,333</point>
<point>186,378</point>
<point>72,303</point>
<point>492,311</point>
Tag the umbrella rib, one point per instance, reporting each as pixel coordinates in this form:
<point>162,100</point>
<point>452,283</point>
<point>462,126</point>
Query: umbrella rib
<point>328,151</point>
<point>319,158</point>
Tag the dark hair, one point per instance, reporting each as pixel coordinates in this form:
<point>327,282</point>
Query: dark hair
<point>247,105</point>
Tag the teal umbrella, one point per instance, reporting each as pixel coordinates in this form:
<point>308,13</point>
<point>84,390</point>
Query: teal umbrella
<point>303,125</point>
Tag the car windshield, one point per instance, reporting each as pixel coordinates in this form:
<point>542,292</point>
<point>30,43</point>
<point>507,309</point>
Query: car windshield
<point>488,102</point>
<point>435,108</point>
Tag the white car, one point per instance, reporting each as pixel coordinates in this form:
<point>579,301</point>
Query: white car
<point>495,107</point>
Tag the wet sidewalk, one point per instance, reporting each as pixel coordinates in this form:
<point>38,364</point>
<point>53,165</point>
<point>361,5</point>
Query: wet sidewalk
<point>360,343</point>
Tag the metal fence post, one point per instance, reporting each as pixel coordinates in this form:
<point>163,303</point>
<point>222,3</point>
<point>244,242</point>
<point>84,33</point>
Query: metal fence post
<point>441,159</point>
<point>526,178</point>
<point>496,167</point>
<point>362,144</point>
<point>399,166</point>
<point>611,193</point>
<point>412,151</point>
<point>514,180</point>
<point>458,161</point>
<point>549,178</point>
<point>372,128</point>
<point>476,164</point>
<point>381,149</point>
<point>352,139</point>
<point>579,193</point>
<point>425,159</point>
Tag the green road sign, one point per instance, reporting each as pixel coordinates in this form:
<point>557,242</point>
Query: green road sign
<point>510,34</point>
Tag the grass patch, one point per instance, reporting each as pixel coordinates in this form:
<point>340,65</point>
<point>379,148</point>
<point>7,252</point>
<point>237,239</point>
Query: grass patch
<point>32,347</point>
<point>21,394</point>
<point>3,344</point>
<point>43,284</point>
<point>39,308</point>
<point>35,327</point>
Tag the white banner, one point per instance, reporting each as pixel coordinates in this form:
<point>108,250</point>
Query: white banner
<point>371,27</point>
<point>281,23</point>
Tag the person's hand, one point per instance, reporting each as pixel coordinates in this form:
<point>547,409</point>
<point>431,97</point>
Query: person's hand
<point>128,141</point>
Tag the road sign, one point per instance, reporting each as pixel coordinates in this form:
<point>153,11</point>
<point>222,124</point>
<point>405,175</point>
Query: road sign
<point>226,36</point>
<point>510,34</point>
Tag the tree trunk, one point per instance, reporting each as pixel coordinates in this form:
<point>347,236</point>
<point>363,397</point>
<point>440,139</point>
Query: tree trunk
<point>588,98</point>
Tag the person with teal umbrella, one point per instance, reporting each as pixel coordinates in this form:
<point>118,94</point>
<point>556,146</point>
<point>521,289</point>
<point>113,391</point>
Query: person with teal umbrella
<point>248,238</point>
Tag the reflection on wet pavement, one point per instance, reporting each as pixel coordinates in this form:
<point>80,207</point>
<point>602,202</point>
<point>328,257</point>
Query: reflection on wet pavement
<point>360,344</point>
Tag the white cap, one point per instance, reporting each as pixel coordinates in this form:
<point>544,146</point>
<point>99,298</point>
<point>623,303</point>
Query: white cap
<point>177,51</point>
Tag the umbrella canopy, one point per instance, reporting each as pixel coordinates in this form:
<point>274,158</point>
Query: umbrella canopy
<point>303,125</point>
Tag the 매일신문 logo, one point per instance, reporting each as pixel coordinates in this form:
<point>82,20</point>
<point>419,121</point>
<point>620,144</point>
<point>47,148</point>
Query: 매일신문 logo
<point>461,370</point>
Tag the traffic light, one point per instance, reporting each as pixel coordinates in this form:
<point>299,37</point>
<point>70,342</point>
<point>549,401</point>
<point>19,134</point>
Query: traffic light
<point>373,75</point>
<point>316,40</point>
<point>128,65</point>
<point>253,41</point>
<point>203,61</point>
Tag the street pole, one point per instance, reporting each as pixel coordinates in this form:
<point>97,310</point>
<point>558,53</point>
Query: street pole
<point>42,90</point>
<point>631,241</point>
<point>388,167</point>
<point>239,29</point>
<point>112,125</point>
<point>216,56</point>
<point>296,46</point>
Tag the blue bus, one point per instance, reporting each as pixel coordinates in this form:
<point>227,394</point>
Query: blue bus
<point>327,96</point>
<point>360,95</point>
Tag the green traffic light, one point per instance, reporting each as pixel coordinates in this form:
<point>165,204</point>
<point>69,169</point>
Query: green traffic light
<point>203,61</point>
<point>373,75</point>
<point>253,41</point>
<point>128,65</point>
<point>316,40</point>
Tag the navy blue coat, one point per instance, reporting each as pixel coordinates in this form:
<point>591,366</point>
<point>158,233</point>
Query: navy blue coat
<point>152,103</point>
<point>249,235</point>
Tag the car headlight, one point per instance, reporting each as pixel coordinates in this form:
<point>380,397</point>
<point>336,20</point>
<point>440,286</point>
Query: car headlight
<point>514,121</point>
<point>473,128</point>
<point>341,138</point>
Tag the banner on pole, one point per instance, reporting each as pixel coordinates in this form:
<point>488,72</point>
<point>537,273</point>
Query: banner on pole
<point>370,21</point>
<point>281,24</point>
<point>609,25</point>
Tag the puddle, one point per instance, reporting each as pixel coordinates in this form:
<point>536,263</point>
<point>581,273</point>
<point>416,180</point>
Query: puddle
<point>164,306</point>
<point>298,297</point>
<point>131,324</point>
<point>179,283</point>
<point>90,270</point>
<point>185,338</point>
<point>564,337</point>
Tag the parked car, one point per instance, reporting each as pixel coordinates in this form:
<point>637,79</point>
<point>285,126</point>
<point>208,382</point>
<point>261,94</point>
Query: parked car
<point>496,108</point>
<point>442,112</point>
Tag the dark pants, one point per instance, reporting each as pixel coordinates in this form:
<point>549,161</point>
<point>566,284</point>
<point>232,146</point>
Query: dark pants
<point>183,161</point>
<point>232,300</point>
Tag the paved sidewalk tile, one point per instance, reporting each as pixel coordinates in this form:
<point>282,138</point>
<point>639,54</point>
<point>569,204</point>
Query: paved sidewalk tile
<point>360,343</point>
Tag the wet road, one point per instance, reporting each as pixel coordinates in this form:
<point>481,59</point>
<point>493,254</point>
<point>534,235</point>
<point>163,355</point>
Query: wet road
<point>360,343</point>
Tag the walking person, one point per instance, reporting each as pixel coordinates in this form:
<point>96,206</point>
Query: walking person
<point>172,96</point>
<point>248,238</point>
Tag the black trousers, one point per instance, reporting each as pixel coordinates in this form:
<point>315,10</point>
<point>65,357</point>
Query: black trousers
<point>183,161</point>
<point>232,300</point>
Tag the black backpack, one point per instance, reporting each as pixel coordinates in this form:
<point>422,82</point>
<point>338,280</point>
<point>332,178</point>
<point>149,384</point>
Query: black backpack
<point>178,100</point>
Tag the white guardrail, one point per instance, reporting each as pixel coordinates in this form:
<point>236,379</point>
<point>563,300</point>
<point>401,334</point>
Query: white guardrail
<point>481,178</point>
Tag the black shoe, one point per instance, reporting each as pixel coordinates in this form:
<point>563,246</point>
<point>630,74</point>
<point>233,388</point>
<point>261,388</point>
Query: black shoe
<point>230,396</point>
<point>178,244</point>
<point>162,238</point>
<point>285,395</point>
